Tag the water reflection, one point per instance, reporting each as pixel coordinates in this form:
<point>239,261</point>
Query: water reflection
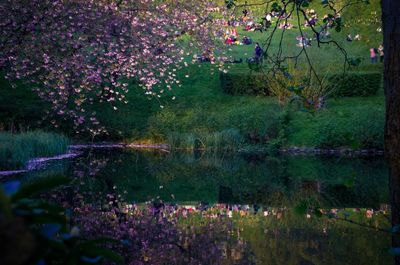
<point>142,176</point>
<point>273,183</point>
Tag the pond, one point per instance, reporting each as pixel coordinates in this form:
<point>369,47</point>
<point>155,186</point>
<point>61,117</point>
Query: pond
<point>268,187</point>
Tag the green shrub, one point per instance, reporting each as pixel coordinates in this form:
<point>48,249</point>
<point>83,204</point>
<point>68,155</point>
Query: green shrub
<point>350,85</point>
<point>369,129</point>
<point>363,131</point>
<point>332,134</point>
<point>244,84</point>
<point>356,84</point>
<point>17,149</point>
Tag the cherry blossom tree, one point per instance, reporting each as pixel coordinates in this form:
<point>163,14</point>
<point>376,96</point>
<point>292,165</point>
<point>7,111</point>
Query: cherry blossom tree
<point>77,52</point>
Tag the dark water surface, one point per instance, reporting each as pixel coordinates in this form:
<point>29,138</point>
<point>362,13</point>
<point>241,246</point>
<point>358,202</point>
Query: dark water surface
<point>268,182</point>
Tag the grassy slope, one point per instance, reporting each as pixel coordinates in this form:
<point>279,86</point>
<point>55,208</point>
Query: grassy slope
<point>201,111</point>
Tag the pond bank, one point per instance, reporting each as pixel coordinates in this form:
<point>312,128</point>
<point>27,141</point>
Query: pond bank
<point>38,163</point>
<point>77,150</point>
<point>333,151</point>
<point>162,147</point>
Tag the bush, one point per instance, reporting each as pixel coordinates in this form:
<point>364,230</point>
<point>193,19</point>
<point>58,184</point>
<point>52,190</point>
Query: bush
<point>351,85</point>
<point>370,129</point>
<point>332,134</point>
<point>17,149</point>
<point>356,84</point>
<point>244,84</point>
<point>363,131</point>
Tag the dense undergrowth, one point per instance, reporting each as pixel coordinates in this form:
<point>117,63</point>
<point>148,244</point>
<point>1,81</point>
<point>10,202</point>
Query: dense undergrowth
<point>202,116</point>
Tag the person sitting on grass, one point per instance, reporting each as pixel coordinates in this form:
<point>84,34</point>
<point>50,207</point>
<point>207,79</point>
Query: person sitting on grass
<point>203,59</point>
<point>234,60</point>
<point>230,40</point>
<point>249,25</point>
<point>258,27</point>
<point>285,25</point>
<point>246,40</point>
<point>303,41</point>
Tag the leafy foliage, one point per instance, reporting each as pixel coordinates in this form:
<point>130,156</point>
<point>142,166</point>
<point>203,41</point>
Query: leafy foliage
<point>44,228</point>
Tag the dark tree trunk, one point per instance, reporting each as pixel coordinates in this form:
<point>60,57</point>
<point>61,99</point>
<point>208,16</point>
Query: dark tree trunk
<point>391,40</point>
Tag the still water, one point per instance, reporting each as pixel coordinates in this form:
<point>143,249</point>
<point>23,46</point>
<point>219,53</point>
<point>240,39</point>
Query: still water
<point>282,182</point>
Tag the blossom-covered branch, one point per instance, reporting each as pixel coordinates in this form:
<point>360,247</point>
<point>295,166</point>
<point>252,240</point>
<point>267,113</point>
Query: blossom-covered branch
<point>77,52</point>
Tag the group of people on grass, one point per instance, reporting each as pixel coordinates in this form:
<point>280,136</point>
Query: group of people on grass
<point>350,38</point>
<point>312,18</point>
<point>303,41</point>
<point>232,38</point>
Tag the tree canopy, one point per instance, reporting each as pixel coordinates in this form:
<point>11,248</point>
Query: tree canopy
<point>78,52</point>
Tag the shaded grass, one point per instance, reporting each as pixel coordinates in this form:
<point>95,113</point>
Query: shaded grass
<point>352,122</point>
<point>201,111</point>
<point>17,149</point>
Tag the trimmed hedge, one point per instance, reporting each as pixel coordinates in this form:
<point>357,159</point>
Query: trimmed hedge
<point>357,84</point>
<point>351,85</point>
<point>243,84</point>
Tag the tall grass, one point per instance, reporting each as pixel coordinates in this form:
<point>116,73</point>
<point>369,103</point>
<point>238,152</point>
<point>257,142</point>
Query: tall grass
<point>226,140</point>
<point>17,149</point>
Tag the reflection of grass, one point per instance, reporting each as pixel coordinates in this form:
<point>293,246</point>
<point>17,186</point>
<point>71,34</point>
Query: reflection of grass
<point>293,237</point>
<point>279,218</point>
<point>213,177</point>
<point>17,149</point>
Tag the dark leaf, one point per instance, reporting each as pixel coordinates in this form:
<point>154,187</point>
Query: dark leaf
<point>394,251</point>
<point>50,230</point>
<point>105,253</point>
<point>11,187</point>
<point>305,4</point>
<point>91,260</point>
<point>39,186</point>
<point>301,208</point>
